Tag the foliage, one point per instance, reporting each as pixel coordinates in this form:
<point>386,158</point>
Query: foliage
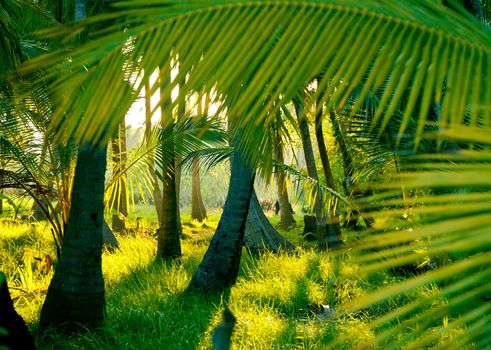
<point>411,55</point>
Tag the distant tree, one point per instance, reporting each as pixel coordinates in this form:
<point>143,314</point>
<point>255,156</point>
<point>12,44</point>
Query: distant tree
<point>119,154</point>
<point>285,209</point>
<point>198,210</point>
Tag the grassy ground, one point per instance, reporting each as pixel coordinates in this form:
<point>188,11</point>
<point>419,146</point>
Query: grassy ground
<point>276,298</point>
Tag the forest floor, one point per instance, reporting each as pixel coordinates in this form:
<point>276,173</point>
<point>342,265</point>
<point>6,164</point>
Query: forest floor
<point>281,301</point>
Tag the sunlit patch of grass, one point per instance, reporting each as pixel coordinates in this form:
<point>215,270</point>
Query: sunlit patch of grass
<point>275,300</point>
<point>259,328</point>
<point>355,332</point>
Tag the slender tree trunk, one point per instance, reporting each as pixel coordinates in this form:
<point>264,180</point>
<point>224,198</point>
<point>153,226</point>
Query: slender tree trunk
<point>157,193</point>
<point>333,228</point>
<point>259,233</point>
<point>76,293</point>
<point>198,210</point>
<point>312,172</point>
<point>347,160</point>
<point>169,245</point>
<point>120,210</point>
<point>178,171</point>
<point>1,189</point>
<point>40,207</point>
<point>286,215</point>
<point>220,265</point>
<point>181,111</point>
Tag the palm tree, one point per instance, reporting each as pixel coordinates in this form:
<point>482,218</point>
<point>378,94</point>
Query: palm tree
<point>198,210</point>
<point>220,265</point>
<point>412,52</point>
<point>325,235</point>
<point>286,212</point>
<point>76,294</point>
<point>120,207</point>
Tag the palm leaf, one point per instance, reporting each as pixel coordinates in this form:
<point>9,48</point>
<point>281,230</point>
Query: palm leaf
<point>259,55</point>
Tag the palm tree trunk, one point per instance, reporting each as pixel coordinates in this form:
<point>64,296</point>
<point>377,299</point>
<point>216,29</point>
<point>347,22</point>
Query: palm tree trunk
<point>198,210</point>
<point>347,160</point>
<point>119,159</point>
<point>40,207</point>
<point>259,233</point>
<point>157,193</point>
<point>1,190</point>
<point>286,215</point>
<point>333,228</point>
<point>178,171</point>
<point>312,172</point>
<point>169,245</point>
<point>220,265</point>
<point>76,296</point>
<point>76,293</point>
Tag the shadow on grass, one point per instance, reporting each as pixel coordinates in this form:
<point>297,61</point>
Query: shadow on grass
<point>149,309</point>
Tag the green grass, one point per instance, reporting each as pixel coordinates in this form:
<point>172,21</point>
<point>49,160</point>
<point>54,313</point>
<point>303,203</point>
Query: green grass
<point>275,299</point>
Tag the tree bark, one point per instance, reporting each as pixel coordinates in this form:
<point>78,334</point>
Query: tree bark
<point>347,160</point>
<point>169,245</point>
<point>220,265</point>
<point>332,237</point>
<point>259,233</point>
<point>76,293</point>
<point>312,172</point>
<point>178,171</point>
<point>157,193</point>
<point>286,215</point>
<point>198,210</point>
<point>14,334</point>
<point>40,207</point>
<point>119,210</point>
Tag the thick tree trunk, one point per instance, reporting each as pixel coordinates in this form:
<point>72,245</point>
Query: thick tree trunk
<point>119,210</point>
<point>259,233</point>
<point>332,238</point>
<point>14,334</point>
<point>312,172</point>
<point>169,245</point>
<point>198,210</point>
<point>76,293</point>
<point>220,265</point>
<point>286,215</point>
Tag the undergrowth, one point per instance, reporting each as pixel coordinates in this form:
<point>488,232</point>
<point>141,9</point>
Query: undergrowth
<point>281,301</point>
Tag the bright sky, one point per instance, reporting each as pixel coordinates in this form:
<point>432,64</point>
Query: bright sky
<point>135,117</point>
